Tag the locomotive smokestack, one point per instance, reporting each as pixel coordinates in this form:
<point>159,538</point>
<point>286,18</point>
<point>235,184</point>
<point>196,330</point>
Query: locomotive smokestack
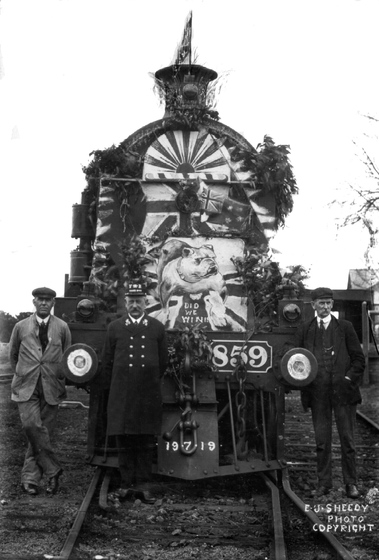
<point>184,87</point>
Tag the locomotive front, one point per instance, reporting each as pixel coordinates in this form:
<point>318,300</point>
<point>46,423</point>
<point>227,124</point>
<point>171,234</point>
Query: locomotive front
<point>189,206</point>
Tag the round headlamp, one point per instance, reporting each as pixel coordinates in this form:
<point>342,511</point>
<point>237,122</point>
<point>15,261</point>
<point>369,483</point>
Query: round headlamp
<point>79,363</point>
<point>85,308</point>
<point>298,367</point>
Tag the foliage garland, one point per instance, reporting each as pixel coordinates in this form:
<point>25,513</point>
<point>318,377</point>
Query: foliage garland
<point>135,258</point>
<point>271,173</point>
<point>264,283</point>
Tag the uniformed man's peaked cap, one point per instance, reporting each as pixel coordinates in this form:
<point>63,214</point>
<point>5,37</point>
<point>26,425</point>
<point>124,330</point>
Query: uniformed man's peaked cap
<point>135,289</point>
<point>321,293</point>
<point>47,292</point>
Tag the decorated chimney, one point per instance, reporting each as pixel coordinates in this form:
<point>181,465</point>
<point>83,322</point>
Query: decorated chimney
<point>184,85</point>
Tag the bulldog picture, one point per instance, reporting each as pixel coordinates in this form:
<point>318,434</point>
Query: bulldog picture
<point>184,270</point>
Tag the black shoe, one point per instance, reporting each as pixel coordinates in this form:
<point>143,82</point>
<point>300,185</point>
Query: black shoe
<point>352,491</point>
<point>145,496</point>
<point>53,484</point>
<point>30,489</point>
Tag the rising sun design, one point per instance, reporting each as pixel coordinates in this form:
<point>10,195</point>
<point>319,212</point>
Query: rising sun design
<point>186,152</point>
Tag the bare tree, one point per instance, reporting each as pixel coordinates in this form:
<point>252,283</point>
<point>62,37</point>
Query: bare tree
<point>360,204</point>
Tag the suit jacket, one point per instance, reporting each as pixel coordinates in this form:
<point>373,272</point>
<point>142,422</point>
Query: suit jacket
<point>134,358</point>
<point>347,361</point>
<point>29,363</point>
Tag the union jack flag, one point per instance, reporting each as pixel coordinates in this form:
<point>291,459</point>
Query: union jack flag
<point>212,201</point>
<point>162,212</point>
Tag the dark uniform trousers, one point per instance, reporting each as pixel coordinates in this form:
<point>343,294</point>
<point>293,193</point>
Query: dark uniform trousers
<point>323,403</point>
<point>135,457</point>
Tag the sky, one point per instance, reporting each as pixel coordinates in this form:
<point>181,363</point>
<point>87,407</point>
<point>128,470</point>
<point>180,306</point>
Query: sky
<point>75,77</point>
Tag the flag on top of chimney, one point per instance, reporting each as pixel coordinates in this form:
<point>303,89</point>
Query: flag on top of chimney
<point>183,50</point>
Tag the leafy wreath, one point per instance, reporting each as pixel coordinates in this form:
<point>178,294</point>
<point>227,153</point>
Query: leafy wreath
<point>189,350</point>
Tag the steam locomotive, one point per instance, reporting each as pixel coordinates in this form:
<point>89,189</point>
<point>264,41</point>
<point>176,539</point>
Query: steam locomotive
<point>177,203</point>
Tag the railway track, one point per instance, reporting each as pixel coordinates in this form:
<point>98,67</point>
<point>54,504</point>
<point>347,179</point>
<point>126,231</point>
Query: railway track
<point>236,517</point>
<point>254,526</point>
<point>259,515</point>
<point>210,515</point>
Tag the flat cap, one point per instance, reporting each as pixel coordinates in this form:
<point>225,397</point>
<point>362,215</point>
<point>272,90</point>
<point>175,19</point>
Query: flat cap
<point>47,292</point>
<point>321,293</point>
<point>135,289</point>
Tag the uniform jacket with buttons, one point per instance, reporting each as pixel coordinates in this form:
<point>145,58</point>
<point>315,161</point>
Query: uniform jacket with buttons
<point>347,361</point>
<point>135,358</point>
<point>29,362</point>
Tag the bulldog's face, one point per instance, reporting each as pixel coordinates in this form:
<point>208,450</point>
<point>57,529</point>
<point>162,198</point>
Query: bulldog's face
<point>198,263</point>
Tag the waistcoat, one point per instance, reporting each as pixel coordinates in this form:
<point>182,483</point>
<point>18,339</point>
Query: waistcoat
<point>324,348</point>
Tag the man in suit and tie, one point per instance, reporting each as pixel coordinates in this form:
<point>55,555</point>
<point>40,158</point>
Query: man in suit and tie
<point>135,358</point>
<point>341,363</point>
<point>38,386</point>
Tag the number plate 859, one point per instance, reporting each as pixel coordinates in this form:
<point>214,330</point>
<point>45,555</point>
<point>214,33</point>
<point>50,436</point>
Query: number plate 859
<point>257,355</point>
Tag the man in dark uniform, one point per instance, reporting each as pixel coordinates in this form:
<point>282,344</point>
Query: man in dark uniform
<point>341,363</point>
<point>135,356</point>
<point>38,386</point>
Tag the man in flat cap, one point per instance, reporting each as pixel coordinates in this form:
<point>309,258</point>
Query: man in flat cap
<point>38,386</point>
<point>134,360</point>
<point>341,363</point>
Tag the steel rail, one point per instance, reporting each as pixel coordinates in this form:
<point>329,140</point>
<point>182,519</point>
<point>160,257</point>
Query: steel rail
<point>103,499</point>
<point>368,420</point>
<point>75,529</point>
<point>335,544</point>
<point>280,545</point>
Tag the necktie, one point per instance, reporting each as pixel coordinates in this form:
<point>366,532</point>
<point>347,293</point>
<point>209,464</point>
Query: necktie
<point>322,325</point>
<point>43,335</point>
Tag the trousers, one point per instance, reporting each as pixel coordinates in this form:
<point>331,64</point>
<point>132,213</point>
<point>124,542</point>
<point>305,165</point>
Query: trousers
<point>38,419</point>
<point>135,458</point>
<point>345,418</point>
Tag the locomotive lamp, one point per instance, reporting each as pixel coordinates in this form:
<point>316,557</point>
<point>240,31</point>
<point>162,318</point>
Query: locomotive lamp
<point>87,306</point>
<point>85,309</point>
<point>291,312</point>
<point>290,307</point>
